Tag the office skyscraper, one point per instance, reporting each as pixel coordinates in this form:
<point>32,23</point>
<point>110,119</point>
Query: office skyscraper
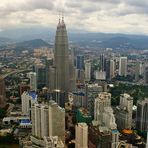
<point>103,100</point>
<point>142,117</point>
<point>87,70</point>
<point>81,135</point>
<point>33,81</point>
<point>146,73</point>
<point>124,112</point>
<point>61,55</point>
<point>123,66</point>
<point>80,62</point>
<point>102,62</point>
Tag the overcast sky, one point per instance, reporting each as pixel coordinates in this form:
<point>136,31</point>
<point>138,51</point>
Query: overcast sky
<point>122,16</point>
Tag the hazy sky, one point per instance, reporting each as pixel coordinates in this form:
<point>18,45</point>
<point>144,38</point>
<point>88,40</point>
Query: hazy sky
<point>125,16</point>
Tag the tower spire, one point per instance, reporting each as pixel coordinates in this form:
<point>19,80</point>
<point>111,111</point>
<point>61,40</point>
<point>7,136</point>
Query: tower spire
<point>59,19</point>
<point>62,18</point>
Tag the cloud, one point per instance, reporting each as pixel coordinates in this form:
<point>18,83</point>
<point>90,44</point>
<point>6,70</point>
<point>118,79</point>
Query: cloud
<point>125,16</point>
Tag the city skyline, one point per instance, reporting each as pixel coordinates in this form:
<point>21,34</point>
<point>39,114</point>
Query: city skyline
<point>96,16</point>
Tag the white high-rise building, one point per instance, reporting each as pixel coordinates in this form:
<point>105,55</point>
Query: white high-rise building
<point>33,80</point>
<point>109,118</point>
<point>81,135</point>
<point>124,112</point>
<point>48,119</point>
<point>87,70</point>
<point>28,98</point>
<point>112,69</point>
<point>103,100</point>
<point>123,66</point>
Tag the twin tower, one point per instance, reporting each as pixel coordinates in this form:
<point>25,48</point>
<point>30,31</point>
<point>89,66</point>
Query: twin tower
<point>64,67</point>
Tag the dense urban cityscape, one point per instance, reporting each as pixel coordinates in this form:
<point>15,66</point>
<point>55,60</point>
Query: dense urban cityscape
<point>74,92</point>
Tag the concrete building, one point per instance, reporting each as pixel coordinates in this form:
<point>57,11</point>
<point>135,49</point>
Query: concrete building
<point>91,91</point>
<point>87,70</point>
<point>124,112</point>
<point>81,135</point>
<point>142,115</point>
<point>103,100</point>
<point>33,81</point>
<point>27,99</point>
<point>61,58</point>
<point>99,136</point>
<point>114,138</point>
<point>79,99</point>
<point>137,70</point>
<point>146,73</point>
<point>123,66</point>
<point>2,92</point>
<point>112,69</point>
<point>51,78</point>
<point>102,62</point>
<point>40,70</point>
<point>48,119</point>
<point>72,75</point>
<point>109,118</point>
<point>80,62</point>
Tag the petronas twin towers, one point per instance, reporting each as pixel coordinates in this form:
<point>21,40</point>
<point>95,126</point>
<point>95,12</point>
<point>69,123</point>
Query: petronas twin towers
<point>61,58</point>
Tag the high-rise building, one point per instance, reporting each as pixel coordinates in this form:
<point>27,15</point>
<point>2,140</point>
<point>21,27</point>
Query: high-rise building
<point>80,62</point>
<point>2,92</point>
<point>33,81</point>
<point>102,62</point>
<point>40,71</point>
<point>103,100</point>
<point>112,68</point>
<point>48,119</point>
<point>87,70</point>
<point>142,115</point>
<point>51,83</point>
<point>81,135</point>
<point>137,70</point>
<point>123,66</point>
<point>72,75</point>
<point>92,91</point>
<point>146,73</point>
<point>27,99</point>
<point>99,136</point>
<point>49,64</point>
<point>109,118</point>
<point>124,112</point>
<point>61,58</point>
<point>114,138</point>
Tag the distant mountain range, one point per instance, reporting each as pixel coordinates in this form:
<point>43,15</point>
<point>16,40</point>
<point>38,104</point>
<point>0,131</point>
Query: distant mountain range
<point>38,37</point>
<point>29,45</point>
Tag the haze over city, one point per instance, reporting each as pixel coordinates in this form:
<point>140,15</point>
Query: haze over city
<point>108,16</point>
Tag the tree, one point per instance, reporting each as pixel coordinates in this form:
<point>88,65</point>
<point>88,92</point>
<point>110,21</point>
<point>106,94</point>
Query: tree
<point>2,113</point>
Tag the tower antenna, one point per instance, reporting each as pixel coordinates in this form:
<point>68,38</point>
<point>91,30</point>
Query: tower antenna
<point>59,17</point>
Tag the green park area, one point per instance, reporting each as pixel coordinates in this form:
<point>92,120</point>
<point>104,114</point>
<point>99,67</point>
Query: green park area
<point>136,91</point>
